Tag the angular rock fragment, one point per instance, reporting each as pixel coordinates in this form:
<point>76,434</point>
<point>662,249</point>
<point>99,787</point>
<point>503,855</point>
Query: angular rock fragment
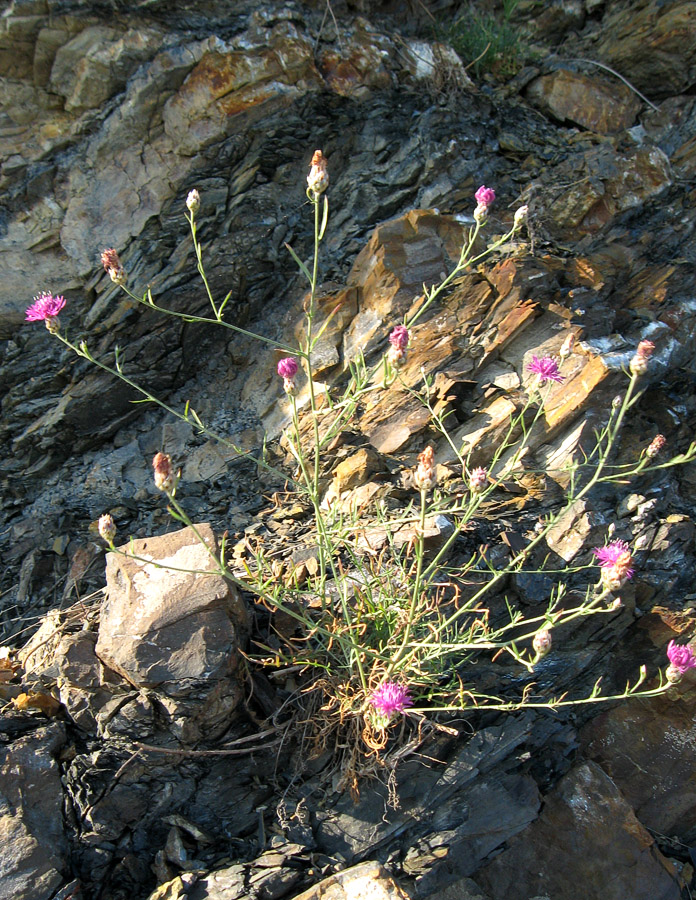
<point>175,632</point>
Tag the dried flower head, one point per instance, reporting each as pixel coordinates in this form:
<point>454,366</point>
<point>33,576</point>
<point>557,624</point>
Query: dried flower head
<point>318,178</point>
<point>107,528</point>
<point>113,266</point>
<point>639,363</point>
<point>542,643</point>
<point>165,479</point>
<point>478,479</point>
<point>681,658</point>
<point>193,201</point>
<point>425,476</point>
<point>567,345</point>
<point>656,445</point>
<point>45,308</point>
<point>520,216</point>
<point>390,699</point>
<point>546,368</point>
<point>616,562</point>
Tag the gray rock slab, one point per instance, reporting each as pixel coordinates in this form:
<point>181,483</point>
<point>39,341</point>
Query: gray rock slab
<point>33,848</point>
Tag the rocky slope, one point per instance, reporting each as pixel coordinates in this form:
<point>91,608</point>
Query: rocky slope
<point>110,114</point>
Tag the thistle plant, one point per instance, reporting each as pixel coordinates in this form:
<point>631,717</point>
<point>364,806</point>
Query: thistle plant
<point>384,636</point>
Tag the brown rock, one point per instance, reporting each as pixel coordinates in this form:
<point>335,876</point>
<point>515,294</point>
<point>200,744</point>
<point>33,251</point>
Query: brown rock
<point>568,844</point>
<point>356,469</point>
<point>174,631</point>
<point>653,45</point>
<point>389,272</point>
<point>592,103</point>
<point>607,183</point>
<point>647,748</point>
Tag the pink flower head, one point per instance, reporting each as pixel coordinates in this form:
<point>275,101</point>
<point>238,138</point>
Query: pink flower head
<point>390,699</point>
<point>616,562</point>
<point>288,367</point>
<point>681,657</point>
<point>484,196</point>
<point>399,337</point>
<point>546,368</point>
<point>45,306</point>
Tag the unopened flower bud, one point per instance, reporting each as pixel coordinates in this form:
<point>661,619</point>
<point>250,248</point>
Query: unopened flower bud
<point>478,479</point>
<point>113,266</point>
<point>480,214</point>
<point>193,201</point>
<point>520,216</point>
<point>617,401</point>
<point>567,345</point>
<point>542,642</point>
<point>425,476</point>
<point>639,363</point>
<point>318,178</point>
<point>106,528</point>
<point>165,479</point>
<point>656,445</point>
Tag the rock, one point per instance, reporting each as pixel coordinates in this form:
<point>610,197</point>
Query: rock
<point>389,272</point>
<point>647,750</point>
<point>367,880</point>
<point>355,469</point>
<point>585,814</point>
<point>575,529</point>
<point>175,632</point>
<point>33,847</point>
<point>652,46</point>
<point>592,103</point>
<point>95,64</point>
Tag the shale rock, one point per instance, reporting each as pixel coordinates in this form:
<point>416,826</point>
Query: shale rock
<point>33,846</point>
<point>583,816</point>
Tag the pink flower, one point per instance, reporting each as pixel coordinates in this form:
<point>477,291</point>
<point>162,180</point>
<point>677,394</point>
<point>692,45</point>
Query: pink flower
<point>681,657</point>
<point>399,337</point>
<point>390,699</point>
<point>45,306</point>
<point>288,367</point>
<point>616,562</point>
<point>546,368</point>
<point>484,196</point>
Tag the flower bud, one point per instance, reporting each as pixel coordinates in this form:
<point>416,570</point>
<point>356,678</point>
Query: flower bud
<point>425,476</point>
<point>478,479</point>
<point>542,643</point>
<point>567,345</point>
<point>520,216</point>
<point>656,445</point>
<point>165,479</point>
<point>318,178</point>
<point>113,266</point>
<point>193,201</point>
<point>106,528</point>
<point>639,363</point>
